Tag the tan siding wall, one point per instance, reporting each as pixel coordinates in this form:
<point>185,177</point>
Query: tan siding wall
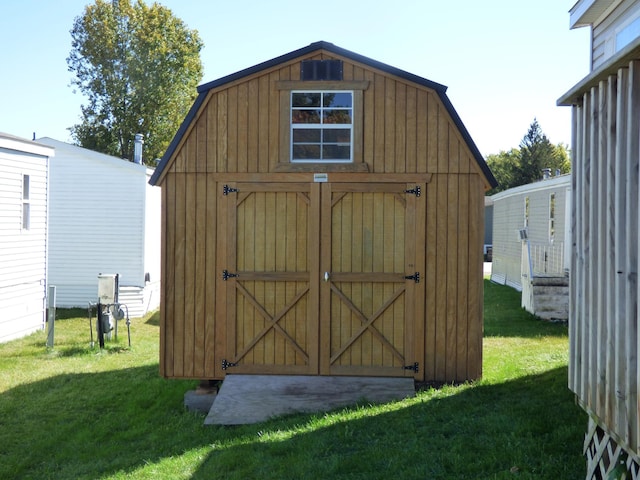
<point>190,251</point>
<point>454,232</point>
<point>508,218</point>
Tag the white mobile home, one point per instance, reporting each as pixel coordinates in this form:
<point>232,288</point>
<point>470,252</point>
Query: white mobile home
<point>23,235</point>
<point>104,218</point>
<point>531,242</point>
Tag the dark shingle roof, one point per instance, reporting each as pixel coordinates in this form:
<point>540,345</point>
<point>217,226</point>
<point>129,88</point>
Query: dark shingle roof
<point>329,47</point>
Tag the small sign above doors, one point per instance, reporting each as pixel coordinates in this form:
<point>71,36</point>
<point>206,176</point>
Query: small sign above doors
<point>320,177</point>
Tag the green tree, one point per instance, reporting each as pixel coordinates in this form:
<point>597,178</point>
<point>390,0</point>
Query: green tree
<point>504,166</point>
<point>139,67</point>
<point>525,165</point>
<point>538,153</point>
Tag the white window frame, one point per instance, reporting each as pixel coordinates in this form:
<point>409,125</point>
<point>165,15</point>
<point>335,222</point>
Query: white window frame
<point>552,217</point>
<point>26,202</point>
<point>321,126</point>
<point>627,32</point>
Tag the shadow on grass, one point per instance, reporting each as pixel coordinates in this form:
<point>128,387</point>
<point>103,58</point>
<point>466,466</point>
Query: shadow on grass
<point>91,425</point>
<point>132,422</point>
<point>122,422</point>
<point>74,351</point>
<point>529,428</point>
<point>154,319</point>
<point>504,317</point>
<point>75,312</point>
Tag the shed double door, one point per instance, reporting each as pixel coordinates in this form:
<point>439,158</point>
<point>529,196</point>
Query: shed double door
<point>317,278</point>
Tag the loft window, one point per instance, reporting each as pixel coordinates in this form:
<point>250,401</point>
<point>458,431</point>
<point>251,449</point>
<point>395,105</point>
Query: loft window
<point>321,70</point>
<point>26,205</point>
<point>323,123</point>
<point>322,126</point>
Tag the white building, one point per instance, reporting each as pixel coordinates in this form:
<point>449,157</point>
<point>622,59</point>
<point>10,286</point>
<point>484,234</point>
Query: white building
<point>532,244</point>
<point>23,235</point>
<point>541,209</point>
<point>104,218</point>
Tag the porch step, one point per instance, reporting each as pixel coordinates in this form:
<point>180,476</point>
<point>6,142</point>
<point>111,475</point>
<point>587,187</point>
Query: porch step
<point>245,399</point>
<point>551,281</point>
<point>551,297</point>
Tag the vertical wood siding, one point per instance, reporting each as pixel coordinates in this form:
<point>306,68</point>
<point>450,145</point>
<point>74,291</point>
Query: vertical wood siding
<point>604,339</point>
<point>238,128</point>
<point>236,136</point>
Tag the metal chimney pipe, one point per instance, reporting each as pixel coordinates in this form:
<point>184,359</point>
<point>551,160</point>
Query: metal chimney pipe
<point>137,149</point>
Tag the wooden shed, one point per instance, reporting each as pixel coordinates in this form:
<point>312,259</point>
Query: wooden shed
<point>322,214</point>
<point>603,315</point>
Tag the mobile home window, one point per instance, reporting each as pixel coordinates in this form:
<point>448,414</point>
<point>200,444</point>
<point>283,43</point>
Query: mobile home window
<point>526,212</point>
<point>627,34</point>
<point>552,216</point>
<point>322,126</point>
<point>26,206</point>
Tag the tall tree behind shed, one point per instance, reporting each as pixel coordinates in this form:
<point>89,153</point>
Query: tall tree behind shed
<point>139,67</point>
<point>538,153</point>
<point>525,165</point>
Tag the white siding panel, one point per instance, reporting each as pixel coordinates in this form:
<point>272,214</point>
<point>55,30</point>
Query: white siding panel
<point>508,218</point>
<point>98,223</point>
<point>23,253</point>
<point>140,301</point>
<point>603,41</point>
<point>508,208</point>
<point>152,232</point>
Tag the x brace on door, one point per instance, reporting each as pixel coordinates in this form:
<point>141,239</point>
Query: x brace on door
<point>367,323</point>
<point>271,322</point>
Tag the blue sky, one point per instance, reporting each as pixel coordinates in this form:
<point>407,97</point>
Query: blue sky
<point>504,61</point>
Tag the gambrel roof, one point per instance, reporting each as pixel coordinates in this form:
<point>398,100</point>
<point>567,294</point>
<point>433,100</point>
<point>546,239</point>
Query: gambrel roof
<point>332,49</point>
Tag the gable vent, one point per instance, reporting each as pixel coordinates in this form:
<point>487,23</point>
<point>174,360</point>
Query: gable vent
<point>321,70</point>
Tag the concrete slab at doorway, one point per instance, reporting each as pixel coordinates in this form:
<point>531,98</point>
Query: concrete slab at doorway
<point>245,399</point>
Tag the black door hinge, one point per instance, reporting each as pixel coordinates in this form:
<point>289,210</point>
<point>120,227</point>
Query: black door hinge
<point>226,364</point>
<point>415,277</point>
<point>226,190</point>
<point>417,191</point>
<point>415,367</point>
<point>226,275</point>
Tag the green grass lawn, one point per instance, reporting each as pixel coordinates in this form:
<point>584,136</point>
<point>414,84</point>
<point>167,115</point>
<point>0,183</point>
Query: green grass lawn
<point>73,412</point>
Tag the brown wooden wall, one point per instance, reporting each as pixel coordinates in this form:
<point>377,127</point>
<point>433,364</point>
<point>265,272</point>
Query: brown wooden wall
<point>408,136</point>
<point>406,128</point>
